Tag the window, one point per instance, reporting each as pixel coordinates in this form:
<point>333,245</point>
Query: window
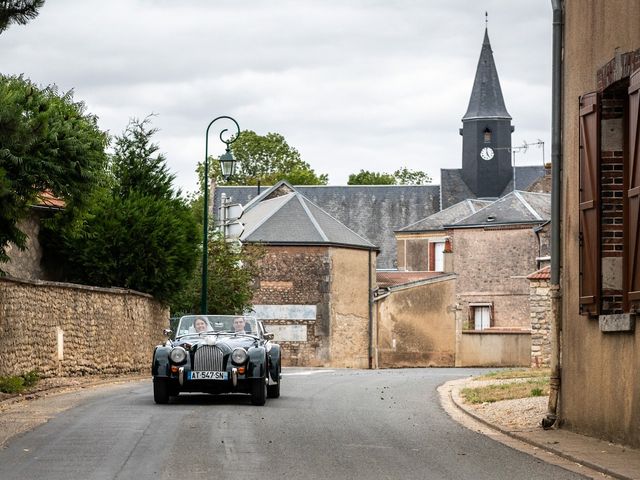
<point>480,314</point>
<point>436,256</point>
<point>609,199</point>
<point>487,135</point>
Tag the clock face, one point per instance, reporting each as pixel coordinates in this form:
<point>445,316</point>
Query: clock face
<point>486,153</point>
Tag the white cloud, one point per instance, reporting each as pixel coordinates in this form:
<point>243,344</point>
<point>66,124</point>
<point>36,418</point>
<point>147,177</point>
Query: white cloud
<point>352,85</point>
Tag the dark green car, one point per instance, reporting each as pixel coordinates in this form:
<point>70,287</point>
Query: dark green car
<point>218,354</point>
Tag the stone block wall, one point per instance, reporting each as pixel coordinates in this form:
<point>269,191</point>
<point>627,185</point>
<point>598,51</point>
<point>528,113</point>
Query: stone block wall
<point>292,277</point>
<point>66,329</point>
<point>540,308</point>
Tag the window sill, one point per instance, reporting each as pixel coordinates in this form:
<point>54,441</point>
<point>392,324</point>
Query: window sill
<point>618,322</point>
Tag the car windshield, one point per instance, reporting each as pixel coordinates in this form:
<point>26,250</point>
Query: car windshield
<point>202,324</point>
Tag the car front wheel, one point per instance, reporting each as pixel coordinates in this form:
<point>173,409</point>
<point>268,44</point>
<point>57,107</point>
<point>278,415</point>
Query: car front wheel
<point>160,391</point>
<point>259,392</point>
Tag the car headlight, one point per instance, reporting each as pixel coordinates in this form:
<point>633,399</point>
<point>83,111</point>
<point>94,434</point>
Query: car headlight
<point>239,356</point>
<point>178,355</point>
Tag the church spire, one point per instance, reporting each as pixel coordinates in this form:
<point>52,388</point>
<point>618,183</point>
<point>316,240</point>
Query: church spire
<point>486,97</point>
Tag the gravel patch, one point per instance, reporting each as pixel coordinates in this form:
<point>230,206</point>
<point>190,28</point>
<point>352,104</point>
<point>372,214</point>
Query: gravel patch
<point>517,414</point>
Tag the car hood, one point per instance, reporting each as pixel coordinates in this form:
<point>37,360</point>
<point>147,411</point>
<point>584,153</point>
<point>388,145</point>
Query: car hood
<point>226,343</point>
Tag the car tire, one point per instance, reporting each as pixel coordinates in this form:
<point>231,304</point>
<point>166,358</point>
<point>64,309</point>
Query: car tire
<point>273,389</point>
<point>160,391</point>
<point>259,392</point>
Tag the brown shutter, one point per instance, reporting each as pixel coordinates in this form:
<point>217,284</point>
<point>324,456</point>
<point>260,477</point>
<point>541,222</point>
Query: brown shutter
<point>590,204</point>
<point>432,257</point>
<point>632,186</point>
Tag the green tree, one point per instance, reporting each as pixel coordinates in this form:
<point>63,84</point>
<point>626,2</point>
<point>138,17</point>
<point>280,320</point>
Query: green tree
<point>47,143</point>
<point>402,176</point>
<point>365,177</point>
<point>18,12</point>
<point>267,159</point>
<point>137,232</point>
<point>231,279</point>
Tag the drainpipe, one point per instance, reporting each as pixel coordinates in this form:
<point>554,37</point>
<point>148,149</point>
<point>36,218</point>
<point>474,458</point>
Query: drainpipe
<point>370,290</point>
<point>556,184</point>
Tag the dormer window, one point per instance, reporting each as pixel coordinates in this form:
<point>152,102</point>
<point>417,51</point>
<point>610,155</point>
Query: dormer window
<point>487,135</point>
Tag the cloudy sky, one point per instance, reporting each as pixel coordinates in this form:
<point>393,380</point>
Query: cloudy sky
<point>355,84</point>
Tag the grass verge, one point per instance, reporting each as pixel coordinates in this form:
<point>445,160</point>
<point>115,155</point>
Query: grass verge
<point>516,373</point>
<point>535,387</point>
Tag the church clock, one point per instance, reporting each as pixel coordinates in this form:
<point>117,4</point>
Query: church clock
<point>486,153</point>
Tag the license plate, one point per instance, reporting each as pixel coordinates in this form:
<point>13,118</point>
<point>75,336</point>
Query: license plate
<point>208,375</point>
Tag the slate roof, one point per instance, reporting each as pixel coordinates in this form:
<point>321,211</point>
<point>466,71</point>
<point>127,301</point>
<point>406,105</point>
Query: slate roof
<point>515,208</point>
<point>448,215</point>
<point>486,96</point>
<point>372,211</point>
<point>455,190</point>
<point>291,218</point>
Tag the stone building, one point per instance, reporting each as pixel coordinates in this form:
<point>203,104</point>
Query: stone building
<point>315,289</point>
<point>598,98</point>
<point>485,251</point>
<point>27,263</point>
<point>376,211</point>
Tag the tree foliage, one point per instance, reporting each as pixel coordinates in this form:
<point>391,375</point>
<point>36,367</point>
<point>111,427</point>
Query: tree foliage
<point>47,143</point>
<point>365,177</point>
<point>137,232</point>
<point>267,159</point>
<point>231,277</point>
<point>402,176</point>
<point>18,12</point>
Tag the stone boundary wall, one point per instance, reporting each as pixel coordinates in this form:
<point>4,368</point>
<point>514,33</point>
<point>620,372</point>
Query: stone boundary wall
<point>67,329</point>
<point>540,308</point>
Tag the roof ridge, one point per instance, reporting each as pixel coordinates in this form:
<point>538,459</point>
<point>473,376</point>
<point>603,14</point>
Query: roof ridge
<point>528,206</point>
<point>271,214</point>
<point>301,200</point>
<point>335,219</point>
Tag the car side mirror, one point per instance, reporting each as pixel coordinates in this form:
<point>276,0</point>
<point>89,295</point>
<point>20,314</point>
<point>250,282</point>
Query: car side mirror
<point>167,332</point>
<point>268,336</point>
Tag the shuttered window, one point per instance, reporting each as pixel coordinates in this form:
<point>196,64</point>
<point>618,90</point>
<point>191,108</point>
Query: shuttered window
<point>589,199</point>
<point>632,204</point>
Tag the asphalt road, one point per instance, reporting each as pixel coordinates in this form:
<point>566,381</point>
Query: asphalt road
<point>342,424</point>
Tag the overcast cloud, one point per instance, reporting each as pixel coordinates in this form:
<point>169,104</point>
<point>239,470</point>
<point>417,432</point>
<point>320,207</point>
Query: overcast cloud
<point>356,84</point>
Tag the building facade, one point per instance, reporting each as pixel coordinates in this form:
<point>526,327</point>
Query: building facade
<point>600,198</point>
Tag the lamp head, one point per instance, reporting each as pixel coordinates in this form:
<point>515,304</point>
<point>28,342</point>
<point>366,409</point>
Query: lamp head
<point>228,164</point>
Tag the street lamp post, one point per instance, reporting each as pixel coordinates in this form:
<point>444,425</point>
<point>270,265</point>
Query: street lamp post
<point>227,162</point>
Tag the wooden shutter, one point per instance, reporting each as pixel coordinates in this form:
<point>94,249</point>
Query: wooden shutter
<point>589,199</point>
<point>632,206</point>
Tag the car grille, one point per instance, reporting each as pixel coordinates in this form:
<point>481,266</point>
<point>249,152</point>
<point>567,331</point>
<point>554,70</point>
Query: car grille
<point>208,358</point>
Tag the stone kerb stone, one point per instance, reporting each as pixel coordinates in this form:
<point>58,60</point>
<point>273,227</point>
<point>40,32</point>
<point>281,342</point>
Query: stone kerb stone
<point>66,329</point>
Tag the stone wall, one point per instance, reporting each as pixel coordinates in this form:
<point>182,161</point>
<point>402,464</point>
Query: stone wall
<point>315,300</point>
<point>67,329</point>
<point>492,266</point>
<point>416,325</point>
<point>540,308</point>
<point>294,279</point>
<point>26,263</point>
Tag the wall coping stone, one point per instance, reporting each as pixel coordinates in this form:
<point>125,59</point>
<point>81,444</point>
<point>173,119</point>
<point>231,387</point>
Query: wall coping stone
<point>74,286</point>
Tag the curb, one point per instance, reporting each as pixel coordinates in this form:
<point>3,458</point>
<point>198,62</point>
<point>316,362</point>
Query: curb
<point>454,395</point>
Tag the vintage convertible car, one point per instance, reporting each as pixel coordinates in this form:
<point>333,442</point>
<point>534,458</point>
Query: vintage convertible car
<point>217,354</point>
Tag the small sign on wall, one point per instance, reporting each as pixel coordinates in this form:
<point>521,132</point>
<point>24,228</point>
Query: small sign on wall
<point>60,335</point>
<point>285,312</point>
<point>288,333</point>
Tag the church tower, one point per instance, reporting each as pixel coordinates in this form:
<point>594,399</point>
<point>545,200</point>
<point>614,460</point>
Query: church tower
<point>486,132</point>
